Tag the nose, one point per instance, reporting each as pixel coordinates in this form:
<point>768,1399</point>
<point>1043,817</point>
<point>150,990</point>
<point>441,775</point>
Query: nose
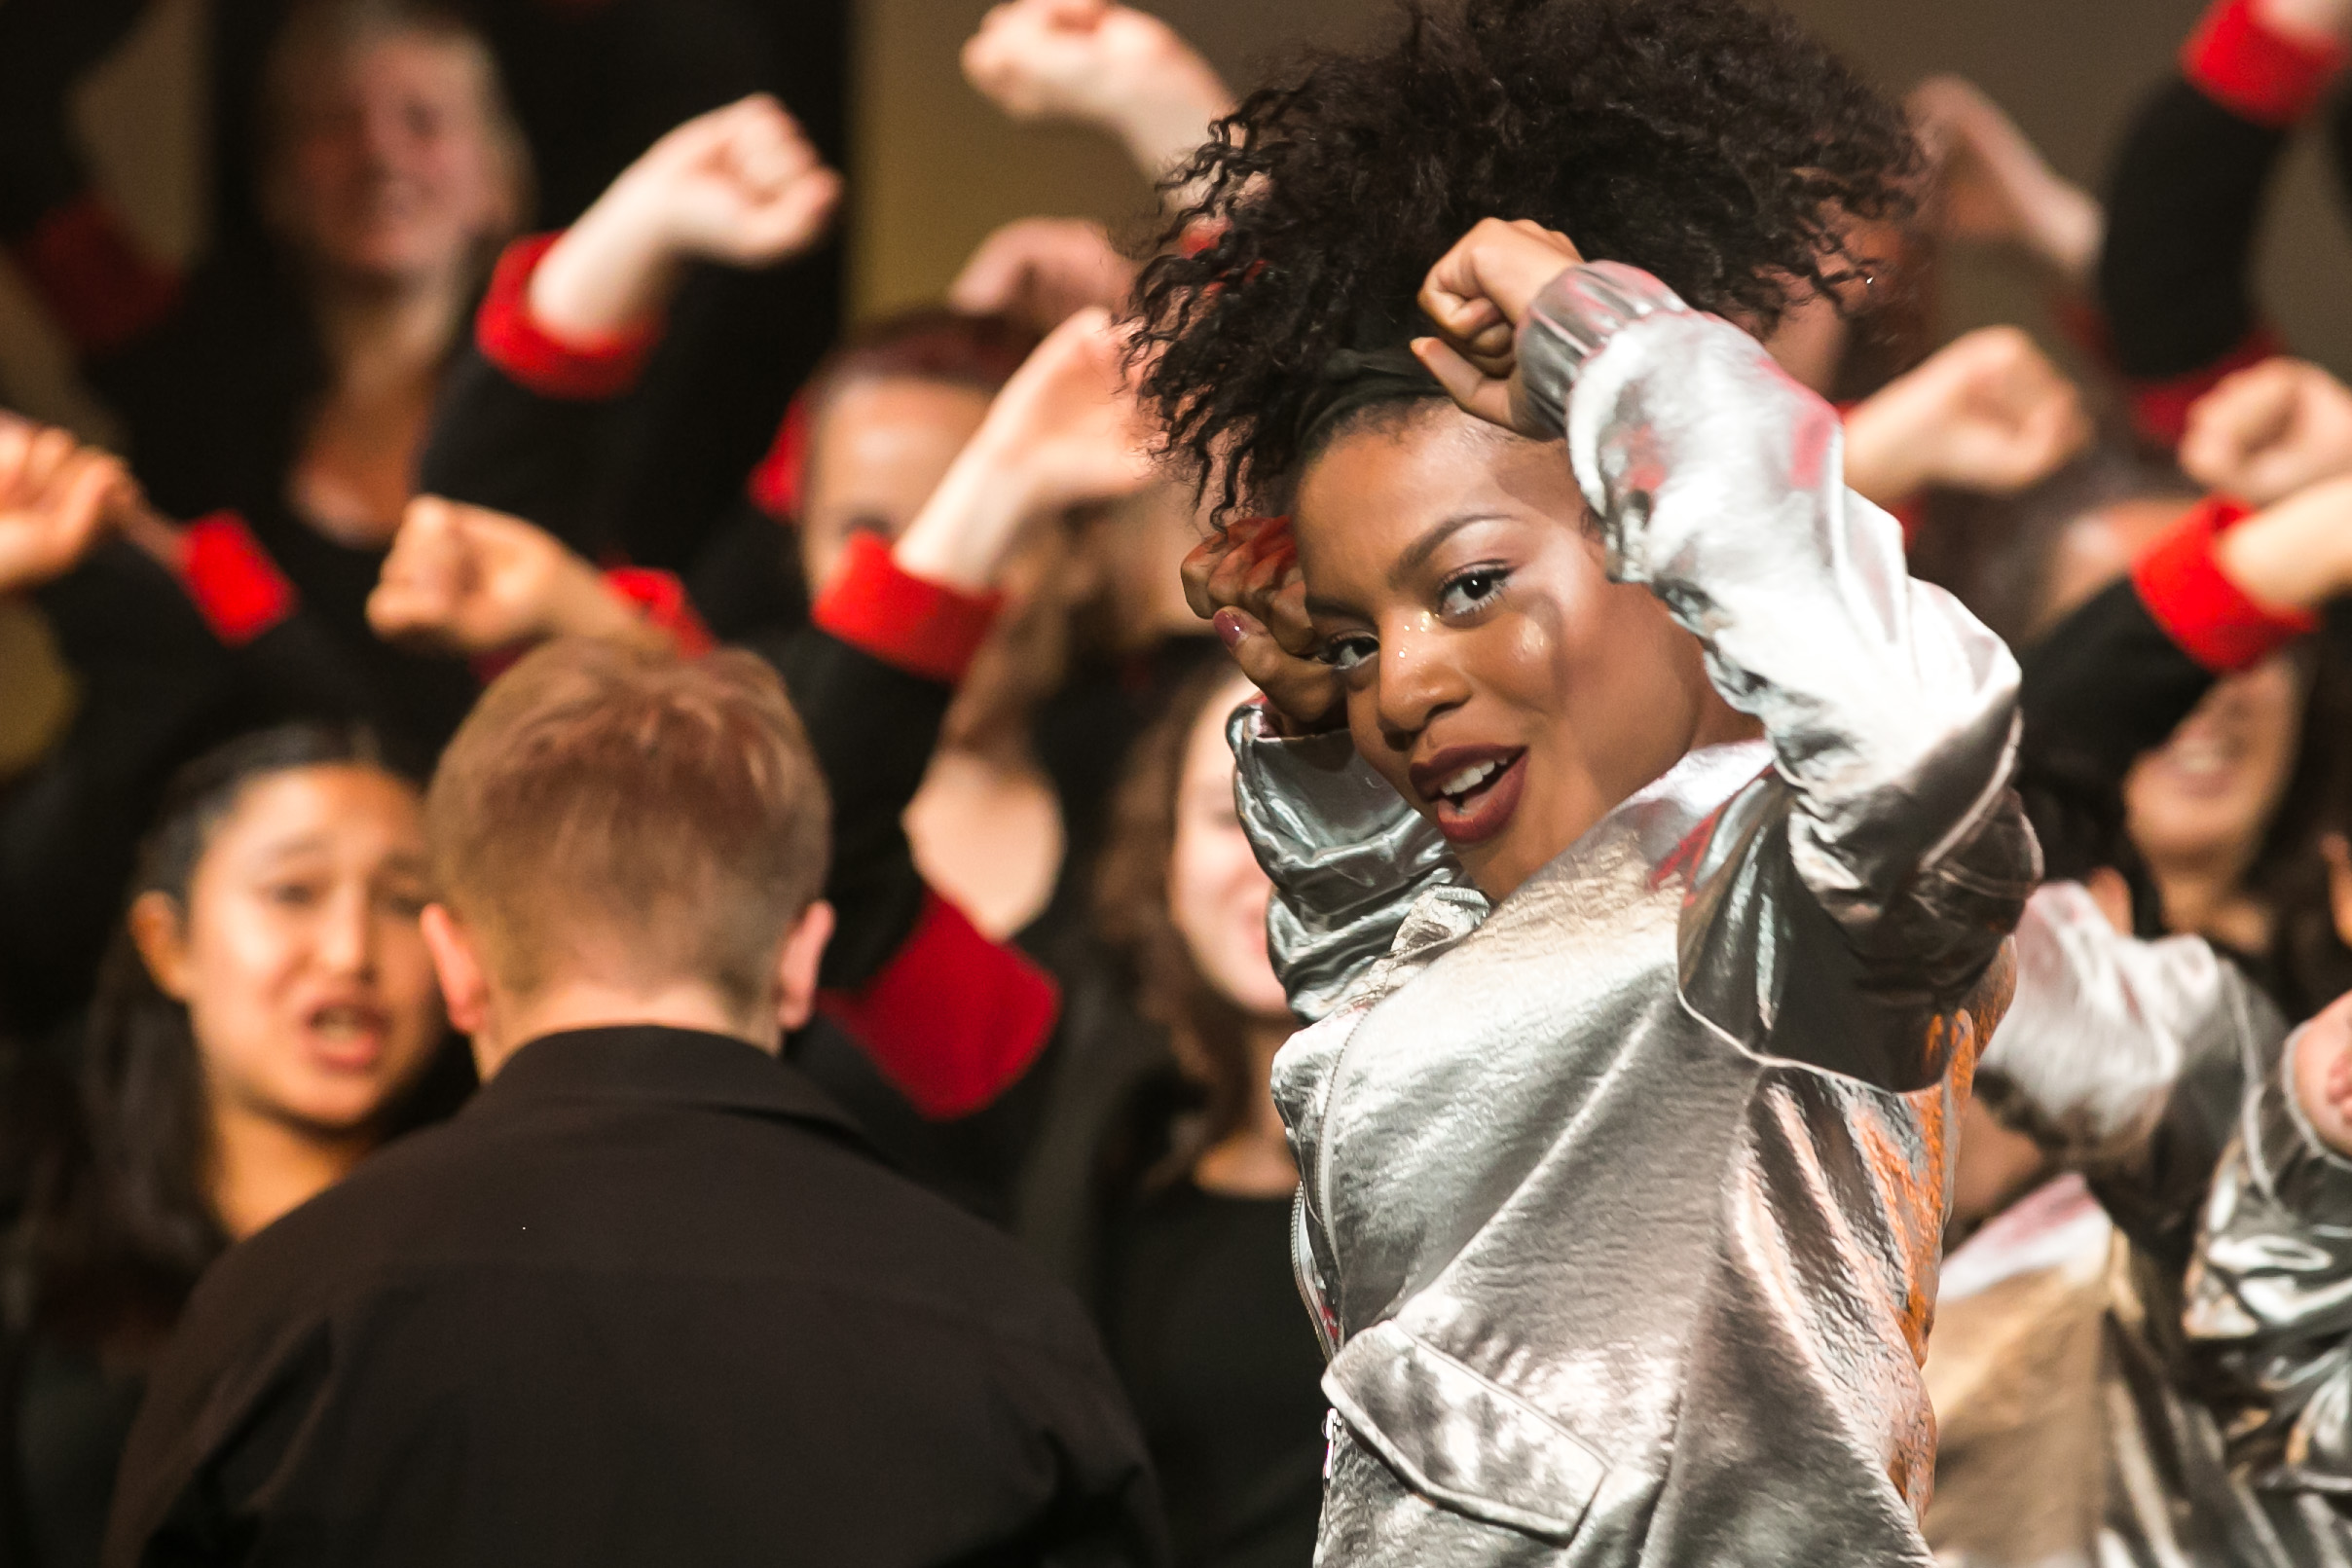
<point>1417,681</point>
<point>347,934</point>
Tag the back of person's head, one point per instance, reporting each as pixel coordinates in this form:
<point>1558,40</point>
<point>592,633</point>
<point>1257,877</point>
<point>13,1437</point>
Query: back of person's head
<point>630,819</point>
<point>1713,144</point>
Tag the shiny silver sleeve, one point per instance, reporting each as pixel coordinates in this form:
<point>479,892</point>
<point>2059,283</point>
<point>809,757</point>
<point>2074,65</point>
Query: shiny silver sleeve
<point>2270,1292</point>
<point>1347,856</point>
<point>1718,482</point>
<point>2126,1059</point>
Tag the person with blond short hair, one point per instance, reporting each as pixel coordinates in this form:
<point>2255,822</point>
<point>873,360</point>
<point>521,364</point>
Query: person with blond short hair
<point>651,1297</point>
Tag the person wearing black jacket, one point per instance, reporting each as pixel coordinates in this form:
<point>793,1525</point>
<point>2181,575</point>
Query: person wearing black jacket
<point>2226,591</point>
<point>651,1297</point>
<point>2185,199</point>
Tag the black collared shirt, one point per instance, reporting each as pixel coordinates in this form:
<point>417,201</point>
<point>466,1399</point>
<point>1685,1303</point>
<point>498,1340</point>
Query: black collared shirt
<point>647,1300</point>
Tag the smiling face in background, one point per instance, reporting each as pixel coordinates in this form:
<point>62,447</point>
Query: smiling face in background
<point>1495,676</point>
<point>390,164</point>
<point>2204,800</point>
<point>299,957</point>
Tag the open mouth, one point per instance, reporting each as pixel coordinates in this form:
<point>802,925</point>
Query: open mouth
<point>348,1035</point>
<point>1474,792</point>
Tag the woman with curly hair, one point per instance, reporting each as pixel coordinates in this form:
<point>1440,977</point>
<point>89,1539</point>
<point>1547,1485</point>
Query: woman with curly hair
<point>1641,836</point>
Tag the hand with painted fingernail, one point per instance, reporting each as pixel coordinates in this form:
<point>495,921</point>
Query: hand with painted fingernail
<point>1245,582</point>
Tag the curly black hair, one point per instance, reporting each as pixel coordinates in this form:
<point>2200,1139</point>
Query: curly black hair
<point>1714,144</point>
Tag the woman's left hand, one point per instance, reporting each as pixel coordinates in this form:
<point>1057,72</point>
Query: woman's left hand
<point>1477,293</point>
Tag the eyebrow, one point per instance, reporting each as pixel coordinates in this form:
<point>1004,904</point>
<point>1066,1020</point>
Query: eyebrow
<point>1417,556</point>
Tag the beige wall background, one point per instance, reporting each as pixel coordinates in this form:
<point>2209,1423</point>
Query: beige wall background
<point>938,168</point>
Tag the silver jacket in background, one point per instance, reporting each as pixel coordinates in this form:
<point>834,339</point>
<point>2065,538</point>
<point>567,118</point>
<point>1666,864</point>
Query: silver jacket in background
<point>1621,1203</point>
<point>2161,1074</point>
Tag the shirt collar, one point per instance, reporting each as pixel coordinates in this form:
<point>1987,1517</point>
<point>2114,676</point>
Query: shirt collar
<point>655,1064</point>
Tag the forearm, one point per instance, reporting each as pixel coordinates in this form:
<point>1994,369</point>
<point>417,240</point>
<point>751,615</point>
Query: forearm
<point>1716,482</point>
<point>2114,1051</point>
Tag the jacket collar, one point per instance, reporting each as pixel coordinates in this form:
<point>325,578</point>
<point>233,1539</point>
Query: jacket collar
<point>657,1065</point>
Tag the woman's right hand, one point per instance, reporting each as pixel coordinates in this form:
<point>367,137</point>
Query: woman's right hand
<point>1245,582</point>
<point>58,498</point>
<point>740,185</point>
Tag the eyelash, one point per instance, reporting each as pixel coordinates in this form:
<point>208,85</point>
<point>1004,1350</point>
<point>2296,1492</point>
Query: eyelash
<point>1489,572</point>
<point>1351,650</point>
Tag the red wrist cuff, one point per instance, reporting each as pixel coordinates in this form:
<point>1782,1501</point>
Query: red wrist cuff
<point>920,627</point>
<point>2206,615</point>
<point>954,1019</point>
<point>2255,71</point>
<point>662,599</point>
<point>90,272</point>
<point>2159,409</point>
<point>234,585</point>
<point>510,339</point>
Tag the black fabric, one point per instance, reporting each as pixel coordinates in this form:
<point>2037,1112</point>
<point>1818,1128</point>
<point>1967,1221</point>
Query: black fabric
<point>1207,1332</point>
<point>2183,209</point>
<point>2104,686</point>
<point>649,1298</point>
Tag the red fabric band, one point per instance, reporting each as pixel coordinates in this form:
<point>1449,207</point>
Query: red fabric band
<point>234,585</point>
<point>954,1019</point>
<point>662,599</point>
<point>2206,614</point>
<point>532,358</point>
<point>919,627</point>
<point>91,274</point>
<point>2159,409</point>
<point>2255,71</point>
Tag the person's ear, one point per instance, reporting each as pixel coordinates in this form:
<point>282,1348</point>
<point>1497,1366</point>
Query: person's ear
<point>465,981</point>
<point>2337,854</point>
<point>159,930</point>
<point>796,964</point>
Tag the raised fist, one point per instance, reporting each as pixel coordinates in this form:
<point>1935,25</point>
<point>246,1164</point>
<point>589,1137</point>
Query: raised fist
<point>1066,431</point>
<point>1099,64</point>
<point>739,185</point>
<point>1477,294</point>
<point>2269,430</point>
<point>57,497</point>
<point>1993,187</point>
<point>1043,270</point>
<point>465,579</point>
<point>1986,412</point>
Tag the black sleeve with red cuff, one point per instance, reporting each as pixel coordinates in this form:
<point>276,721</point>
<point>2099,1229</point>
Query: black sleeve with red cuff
<point>955,1023</point>
<point>525,422</point>
<point>2185,207</point>
<point>2116,678</point>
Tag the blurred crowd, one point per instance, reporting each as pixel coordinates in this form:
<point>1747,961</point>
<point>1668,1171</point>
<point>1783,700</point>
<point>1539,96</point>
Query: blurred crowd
<point>515,361</point>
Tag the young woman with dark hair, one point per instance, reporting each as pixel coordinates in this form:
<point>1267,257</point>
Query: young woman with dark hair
<point>1192,1181</point>
<point>266,1017</point>
<point>1641,832</point>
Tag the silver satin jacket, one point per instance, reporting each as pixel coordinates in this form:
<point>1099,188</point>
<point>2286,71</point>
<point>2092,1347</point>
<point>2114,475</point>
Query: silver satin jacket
<point>2157,1070</point>
<point>1621,1203</point>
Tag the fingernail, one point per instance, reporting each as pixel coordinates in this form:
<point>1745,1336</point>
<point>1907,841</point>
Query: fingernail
<point>1230,626</point>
